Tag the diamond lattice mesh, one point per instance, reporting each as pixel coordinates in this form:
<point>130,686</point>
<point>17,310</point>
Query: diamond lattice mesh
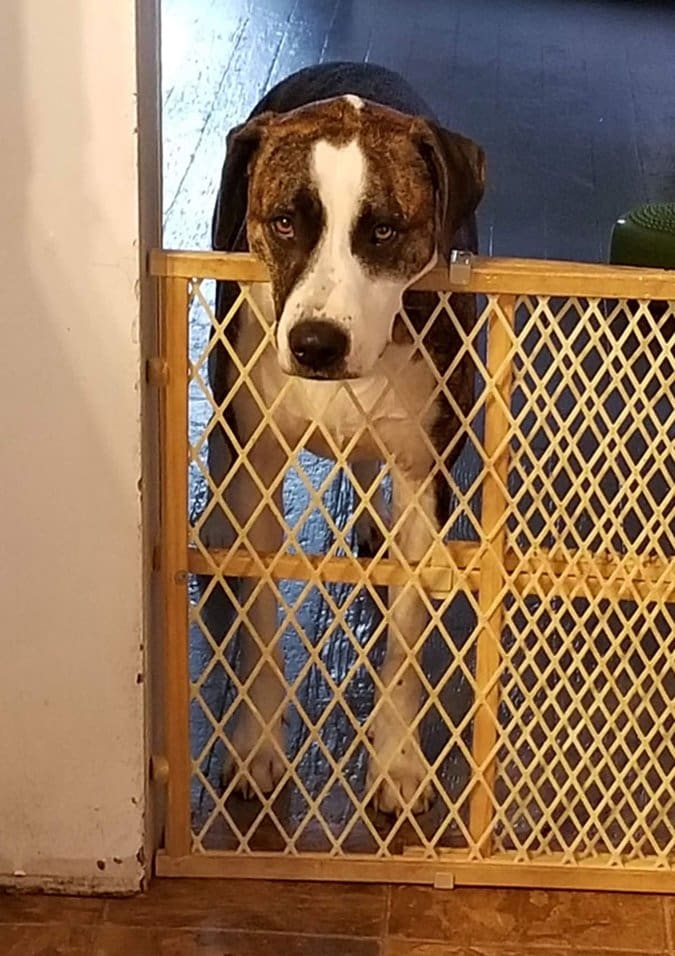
<point>546,659</point>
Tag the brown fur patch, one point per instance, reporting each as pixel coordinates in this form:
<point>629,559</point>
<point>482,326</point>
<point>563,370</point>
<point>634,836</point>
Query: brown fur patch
<point>399,192</point>
<point>433,177</point>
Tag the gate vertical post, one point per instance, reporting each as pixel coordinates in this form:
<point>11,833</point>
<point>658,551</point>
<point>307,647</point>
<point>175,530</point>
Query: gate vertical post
<point>174,560</point>
<point>491,567</point>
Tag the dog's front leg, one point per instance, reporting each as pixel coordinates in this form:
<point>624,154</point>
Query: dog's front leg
<point>258,736</point>
<point>397,751</point>
<point>368,535</point>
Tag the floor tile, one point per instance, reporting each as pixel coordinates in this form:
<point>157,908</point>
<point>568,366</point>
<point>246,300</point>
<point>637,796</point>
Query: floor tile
<point>316,908</point>
<point>139,941</point>
<point>39,908</point>
<point>49,939</point>
<point>411,947</point>
<point>472,917</point>
<point>669,910</point>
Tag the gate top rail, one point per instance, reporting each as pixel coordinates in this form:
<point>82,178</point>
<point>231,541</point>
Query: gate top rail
<point>487,274</point>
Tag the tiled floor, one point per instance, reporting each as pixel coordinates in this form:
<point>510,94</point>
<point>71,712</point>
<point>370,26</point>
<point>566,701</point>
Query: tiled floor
<point>213,918</point>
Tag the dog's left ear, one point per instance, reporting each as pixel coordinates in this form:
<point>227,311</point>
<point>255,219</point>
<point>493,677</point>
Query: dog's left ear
<point>457,167</point>
<point>229,215</point>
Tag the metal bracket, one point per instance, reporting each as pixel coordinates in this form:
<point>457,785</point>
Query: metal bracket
<point>460,266</point>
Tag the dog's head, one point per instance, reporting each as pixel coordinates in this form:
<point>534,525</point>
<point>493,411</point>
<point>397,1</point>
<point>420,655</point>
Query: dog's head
<point>349,203</point>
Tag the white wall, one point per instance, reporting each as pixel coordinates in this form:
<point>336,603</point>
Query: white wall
<point>72,747</point>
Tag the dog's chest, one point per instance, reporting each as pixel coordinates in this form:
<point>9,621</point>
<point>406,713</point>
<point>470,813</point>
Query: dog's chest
<point>387,412</point>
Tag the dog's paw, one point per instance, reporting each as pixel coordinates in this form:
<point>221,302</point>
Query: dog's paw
<point>404,768</point>
<point>368,536</point>
<point>266,766</point>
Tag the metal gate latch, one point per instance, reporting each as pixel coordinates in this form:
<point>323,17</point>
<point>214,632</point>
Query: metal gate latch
<point>460,266</point>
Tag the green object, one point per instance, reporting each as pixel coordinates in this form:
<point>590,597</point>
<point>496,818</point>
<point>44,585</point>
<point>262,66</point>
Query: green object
<point>645,236</point>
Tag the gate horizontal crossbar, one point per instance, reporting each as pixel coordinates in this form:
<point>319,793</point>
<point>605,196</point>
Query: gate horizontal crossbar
<point>610,577</point>
<point>446,872</point>
<point>488,275</point>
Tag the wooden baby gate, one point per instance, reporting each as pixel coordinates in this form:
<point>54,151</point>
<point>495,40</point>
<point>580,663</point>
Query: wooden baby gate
<point>548,663</point>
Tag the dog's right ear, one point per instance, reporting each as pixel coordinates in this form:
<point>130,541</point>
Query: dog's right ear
<point>228,232</point>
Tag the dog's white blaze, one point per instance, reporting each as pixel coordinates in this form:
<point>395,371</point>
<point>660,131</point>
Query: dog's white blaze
<point>337,287</point>
<point>340,175</point>
<point>354,101</point>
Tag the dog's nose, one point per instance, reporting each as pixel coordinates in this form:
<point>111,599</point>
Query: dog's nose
<point>317,344</point>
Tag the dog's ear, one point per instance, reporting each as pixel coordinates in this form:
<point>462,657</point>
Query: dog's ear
<point>457,166</point>
<point>228,231</point>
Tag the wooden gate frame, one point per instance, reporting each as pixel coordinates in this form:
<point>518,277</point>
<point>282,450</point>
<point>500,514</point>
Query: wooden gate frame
<point>507,279</point>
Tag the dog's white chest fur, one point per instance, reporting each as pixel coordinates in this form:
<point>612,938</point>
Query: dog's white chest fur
<point>386,412</point>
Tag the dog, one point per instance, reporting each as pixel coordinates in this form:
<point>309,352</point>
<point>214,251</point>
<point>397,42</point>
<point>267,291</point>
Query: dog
<point>346,187</point>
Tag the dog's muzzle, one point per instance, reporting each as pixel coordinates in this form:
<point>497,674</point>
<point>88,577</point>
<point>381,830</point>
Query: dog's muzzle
<point>319,348</point>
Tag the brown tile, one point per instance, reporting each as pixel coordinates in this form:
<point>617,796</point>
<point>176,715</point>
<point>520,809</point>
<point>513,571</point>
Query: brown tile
<point>39,908</point>
<point>475,917</point>
<point>139,941</point>
<point>669,910</point>
<point>411,947</point>
<point>50,939</point>
<point>322,909</point>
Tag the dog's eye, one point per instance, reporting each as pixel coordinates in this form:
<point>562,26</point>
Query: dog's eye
<point>283,226</point>
<point>383,233</point>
